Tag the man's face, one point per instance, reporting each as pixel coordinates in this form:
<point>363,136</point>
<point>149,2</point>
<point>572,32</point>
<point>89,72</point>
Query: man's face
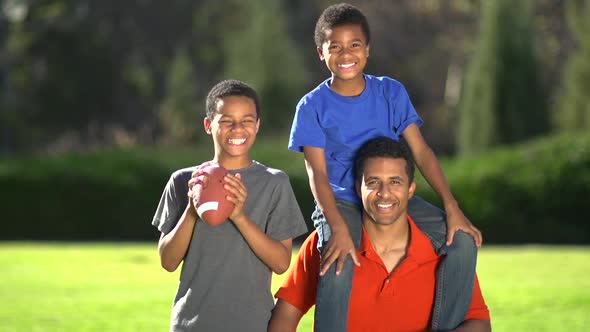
<point>234,126</point>
<point>345,51</point>
<point>385,189</point>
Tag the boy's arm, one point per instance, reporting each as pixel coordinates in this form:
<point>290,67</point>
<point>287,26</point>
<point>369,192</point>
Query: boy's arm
<point>275,254</point>
<point>173,246</point>
<point>285,317</point>
<point>340,243</point>
<point>430,167</point>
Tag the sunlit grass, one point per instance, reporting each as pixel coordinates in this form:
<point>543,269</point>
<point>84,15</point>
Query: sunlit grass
<point>121,287</point>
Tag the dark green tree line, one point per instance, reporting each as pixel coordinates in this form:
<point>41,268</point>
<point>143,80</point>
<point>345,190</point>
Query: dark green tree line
<point>572,112</point>
<point>502,101</point>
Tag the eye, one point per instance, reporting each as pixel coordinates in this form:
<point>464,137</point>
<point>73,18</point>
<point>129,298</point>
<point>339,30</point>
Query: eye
<point>355,45</point>
<point>372,183</point>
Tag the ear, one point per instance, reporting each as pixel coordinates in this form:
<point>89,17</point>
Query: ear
<point>411,190</point>
<point>257,125</point>
<point>321,53</point>
<point>207,125</point>
<point>367,50</point>
<point>357,186</point>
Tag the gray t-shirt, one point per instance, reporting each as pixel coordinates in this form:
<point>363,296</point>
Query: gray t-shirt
<point>224,286</point>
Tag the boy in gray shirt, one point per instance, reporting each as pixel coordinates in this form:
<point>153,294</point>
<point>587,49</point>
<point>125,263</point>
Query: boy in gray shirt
<point>226,272</point>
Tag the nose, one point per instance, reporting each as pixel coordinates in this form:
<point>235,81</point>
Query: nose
<point>346,51</point>
<point>237,126</point>
<point>384,191</point>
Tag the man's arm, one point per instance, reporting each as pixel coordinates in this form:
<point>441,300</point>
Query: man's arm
<point>474,326</point>
<point>285,317</point>
<point>275,254</point>
<point>430,167</point>
<point>340,243</point>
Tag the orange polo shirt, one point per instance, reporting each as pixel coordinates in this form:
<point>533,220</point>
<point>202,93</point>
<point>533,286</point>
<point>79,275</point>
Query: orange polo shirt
<point>379,301</point>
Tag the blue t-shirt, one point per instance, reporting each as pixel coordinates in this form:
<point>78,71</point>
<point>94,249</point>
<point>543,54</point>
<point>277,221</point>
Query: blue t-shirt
<point>341,125</point>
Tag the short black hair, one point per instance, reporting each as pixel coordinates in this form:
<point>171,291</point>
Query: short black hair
<point>387,148</point>
<point>230,88</point>
<point>340,14</point>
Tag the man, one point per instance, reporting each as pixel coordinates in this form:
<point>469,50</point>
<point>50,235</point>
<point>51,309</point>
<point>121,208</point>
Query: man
<point>394,287</point>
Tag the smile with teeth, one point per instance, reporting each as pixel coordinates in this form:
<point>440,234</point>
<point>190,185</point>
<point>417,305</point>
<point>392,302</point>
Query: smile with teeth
<point>384,205</point>
<point>237,141</point>
<point>346,65</point>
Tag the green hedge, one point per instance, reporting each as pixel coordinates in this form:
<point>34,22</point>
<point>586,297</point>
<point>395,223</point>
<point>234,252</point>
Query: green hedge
<point>536,192</point>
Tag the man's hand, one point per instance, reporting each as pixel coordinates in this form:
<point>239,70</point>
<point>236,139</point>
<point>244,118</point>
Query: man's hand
<point>339,246</point>
<point>456,220</point>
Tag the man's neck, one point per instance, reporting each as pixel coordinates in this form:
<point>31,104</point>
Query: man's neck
<point>390,241</point>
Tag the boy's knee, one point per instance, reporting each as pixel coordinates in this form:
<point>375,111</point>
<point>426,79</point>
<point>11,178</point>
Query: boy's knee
<point>463,246</point>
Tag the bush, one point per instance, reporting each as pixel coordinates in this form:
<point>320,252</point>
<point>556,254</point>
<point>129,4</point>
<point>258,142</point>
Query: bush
<point>534,192</point>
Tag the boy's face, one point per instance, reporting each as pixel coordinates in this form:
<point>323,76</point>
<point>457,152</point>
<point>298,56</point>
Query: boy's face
<point>233,128</point>
<point>345,51</point>
<point>385,190</point>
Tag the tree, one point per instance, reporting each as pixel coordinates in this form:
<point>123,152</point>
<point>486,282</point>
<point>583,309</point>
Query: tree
<point>502,101</point>
<point>573,107</point>
<point>180,114</point>
<point>259,50</point>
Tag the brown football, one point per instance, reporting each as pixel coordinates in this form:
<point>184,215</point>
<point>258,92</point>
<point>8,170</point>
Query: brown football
<point>212,204</point>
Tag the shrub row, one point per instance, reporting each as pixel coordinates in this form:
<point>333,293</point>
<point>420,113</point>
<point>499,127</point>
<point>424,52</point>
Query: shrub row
<point>537,192</point>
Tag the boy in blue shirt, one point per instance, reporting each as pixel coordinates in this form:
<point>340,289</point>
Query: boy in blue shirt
<point>331,122</point>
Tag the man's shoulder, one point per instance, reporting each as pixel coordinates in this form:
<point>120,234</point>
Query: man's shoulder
<point>421,247</point>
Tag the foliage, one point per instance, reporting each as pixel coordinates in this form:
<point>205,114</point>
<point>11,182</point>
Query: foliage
<point>502,101</point>
<point>531,193</point>
<point>573,108</point>
<point>182,111</point>
<point>110,194</point>
<point>535,192</point>
<point>81,74</point>
<point>95,287</point>
<point>259,50</point>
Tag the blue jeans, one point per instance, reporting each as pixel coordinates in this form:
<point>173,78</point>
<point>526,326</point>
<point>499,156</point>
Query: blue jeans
<point>455,274</point>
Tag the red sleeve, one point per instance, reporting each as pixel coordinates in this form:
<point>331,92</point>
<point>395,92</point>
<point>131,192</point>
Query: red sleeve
<point>300,286</point>
<point>478,309</point>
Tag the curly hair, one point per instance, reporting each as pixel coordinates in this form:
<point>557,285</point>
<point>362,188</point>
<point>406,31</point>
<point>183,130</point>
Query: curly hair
<point>339,14</point>
<point>230,88</point>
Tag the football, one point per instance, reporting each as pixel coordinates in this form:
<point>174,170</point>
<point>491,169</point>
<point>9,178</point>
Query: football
<point>211,203</point>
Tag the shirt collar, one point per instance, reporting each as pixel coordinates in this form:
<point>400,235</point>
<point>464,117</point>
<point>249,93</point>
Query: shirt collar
<point>420,249</point>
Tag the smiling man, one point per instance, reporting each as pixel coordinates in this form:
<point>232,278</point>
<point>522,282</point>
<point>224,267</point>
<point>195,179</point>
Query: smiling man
<point>394,287</point>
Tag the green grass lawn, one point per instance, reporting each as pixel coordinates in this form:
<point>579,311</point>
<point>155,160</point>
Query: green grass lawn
<point>120,287</point>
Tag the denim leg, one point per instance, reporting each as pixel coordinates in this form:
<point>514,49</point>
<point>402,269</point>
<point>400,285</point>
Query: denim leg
<point>456,272</point>
<point>333,293</point>
<point>454,288</point>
